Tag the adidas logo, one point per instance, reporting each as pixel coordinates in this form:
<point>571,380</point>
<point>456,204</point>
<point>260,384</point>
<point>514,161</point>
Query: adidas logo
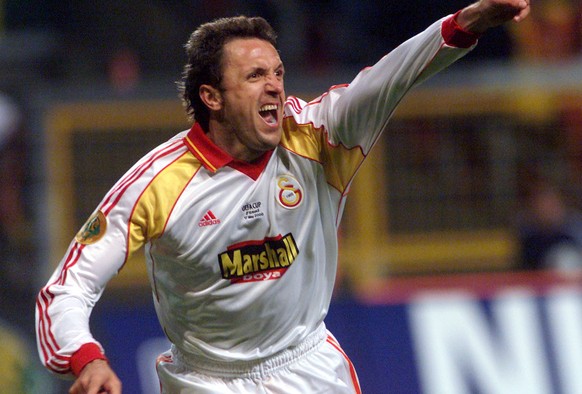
<point>208,220</point>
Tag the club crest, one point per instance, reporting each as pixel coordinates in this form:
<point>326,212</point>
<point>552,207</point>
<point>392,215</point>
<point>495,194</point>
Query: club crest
<point>93,230</point>
<point>289,192</point>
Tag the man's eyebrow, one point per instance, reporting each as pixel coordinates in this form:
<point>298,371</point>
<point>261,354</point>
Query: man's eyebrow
<point>263,69</point>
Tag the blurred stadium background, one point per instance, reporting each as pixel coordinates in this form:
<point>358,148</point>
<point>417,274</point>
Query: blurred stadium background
<point>445,285</point>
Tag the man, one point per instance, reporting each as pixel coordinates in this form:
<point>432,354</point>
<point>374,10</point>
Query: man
<point>239,216</point>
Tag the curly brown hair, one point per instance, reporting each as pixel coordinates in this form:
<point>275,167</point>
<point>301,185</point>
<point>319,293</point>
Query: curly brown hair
<point>205,51</point>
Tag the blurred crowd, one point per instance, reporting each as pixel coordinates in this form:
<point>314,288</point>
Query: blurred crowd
<point>19,265</point>
<point>548,225</point>
<point>124,41</point>
<point>86,39</point>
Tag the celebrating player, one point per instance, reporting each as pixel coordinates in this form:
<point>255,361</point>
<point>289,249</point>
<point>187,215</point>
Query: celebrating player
<point>239,216</point>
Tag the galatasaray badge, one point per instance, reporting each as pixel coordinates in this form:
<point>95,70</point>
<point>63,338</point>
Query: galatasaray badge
<point>93,230</point>
<point>289,192</point>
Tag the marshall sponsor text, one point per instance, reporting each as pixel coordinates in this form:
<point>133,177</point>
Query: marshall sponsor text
<point>254,261</point>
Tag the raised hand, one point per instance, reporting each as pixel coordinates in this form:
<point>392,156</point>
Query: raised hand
<point>486,14</point>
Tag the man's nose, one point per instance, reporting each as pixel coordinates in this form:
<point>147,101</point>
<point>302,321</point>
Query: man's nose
<point>274,84</point>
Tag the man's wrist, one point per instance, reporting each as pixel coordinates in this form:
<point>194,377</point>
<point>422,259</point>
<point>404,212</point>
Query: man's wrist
<point>87,353</point>
<point>471,19</point>
<point>455,35</point>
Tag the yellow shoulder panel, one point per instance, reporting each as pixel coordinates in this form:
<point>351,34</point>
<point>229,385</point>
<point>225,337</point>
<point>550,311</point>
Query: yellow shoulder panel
<point>153,209</point>
<point>339,162</point>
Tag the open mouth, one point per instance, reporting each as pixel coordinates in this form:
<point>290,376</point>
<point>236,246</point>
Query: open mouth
<point>269,114</point>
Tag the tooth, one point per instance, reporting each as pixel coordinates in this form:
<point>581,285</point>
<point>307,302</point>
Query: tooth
<point>268,107</point>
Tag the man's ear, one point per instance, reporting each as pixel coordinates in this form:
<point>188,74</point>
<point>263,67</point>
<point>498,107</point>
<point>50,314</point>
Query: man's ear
<point>211,97</point>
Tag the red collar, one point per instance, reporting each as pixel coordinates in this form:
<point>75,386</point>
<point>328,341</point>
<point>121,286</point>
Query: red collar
<point>213,158</point>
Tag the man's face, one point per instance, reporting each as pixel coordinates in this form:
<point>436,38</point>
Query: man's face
<point>250,118</point>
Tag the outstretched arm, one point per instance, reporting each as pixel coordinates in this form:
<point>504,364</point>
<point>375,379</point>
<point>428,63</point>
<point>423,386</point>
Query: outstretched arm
<point>355,114</point>
<point>486,14</point>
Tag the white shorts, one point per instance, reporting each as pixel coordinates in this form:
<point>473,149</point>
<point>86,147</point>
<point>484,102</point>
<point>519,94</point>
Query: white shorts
<point>317,365</point>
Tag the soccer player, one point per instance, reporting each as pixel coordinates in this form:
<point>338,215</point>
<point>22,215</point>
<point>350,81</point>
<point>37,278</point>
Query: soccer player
<point>239,216</point>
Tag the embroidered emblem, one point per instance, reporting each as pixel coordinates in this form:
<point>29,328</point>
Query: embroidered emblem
<point>289,192</point>
<point>93,230</point>
<point>252,210</point>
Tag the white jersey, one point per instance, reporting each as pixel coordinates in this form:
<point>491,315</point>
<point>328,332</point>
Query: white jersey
<point>241,257</point>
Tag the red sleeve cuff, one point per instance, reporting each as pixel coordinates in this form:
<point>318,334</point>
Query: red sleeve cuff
<point>455,36</point>
<point>86,353</point>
